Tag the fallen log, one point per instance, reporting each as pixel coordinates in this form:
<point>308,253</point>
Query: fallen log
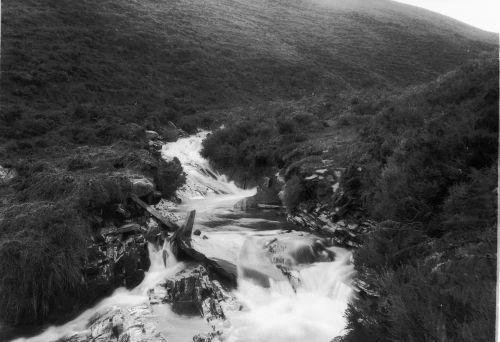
<point>155,214</point>
<point>180,243</point>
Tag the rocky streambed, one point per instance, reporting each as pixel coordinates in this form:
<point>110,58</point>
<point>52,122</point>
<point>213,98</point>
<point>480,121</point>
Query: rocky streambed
<point>235,270</point>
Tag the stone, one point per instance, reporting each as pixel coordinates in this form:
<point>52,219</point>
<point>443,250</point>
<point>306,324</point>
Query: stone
<point>192,291</point>
<point>152,135</point>
<point>142,186</point>
<point>116,324</point>
<point>7,175</point>
<point>197,232</point>
<point>115,261</point>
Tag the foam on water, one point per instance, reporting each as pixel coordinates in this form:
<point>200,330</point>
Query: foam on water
<point>203,182</point>
<point>315,312</point>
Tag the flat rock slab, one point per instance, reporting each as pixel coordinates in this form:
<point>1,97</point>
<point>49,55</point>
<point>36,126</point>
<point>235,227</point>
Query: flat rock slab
<point>121,325</point>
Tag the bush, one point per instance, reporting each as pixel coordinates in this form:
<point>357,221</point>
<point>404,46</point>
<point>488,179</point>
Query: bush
<point>102,191</point>
<point>41,254</point>
<point>429,161</point>
<point>170,177</point>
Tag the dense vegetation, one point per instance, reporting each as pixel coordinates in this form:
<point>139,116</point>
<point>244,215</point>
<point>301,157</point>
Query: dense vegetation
<point>430,175</point>
<point>81,81</point>
<point>54,207</point>
<point>424,164</point>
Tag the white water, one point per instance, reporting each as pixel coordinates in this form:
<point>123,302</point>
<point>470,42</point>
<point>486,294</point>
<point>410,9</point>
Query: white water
<point>314,312</point>
<point>121,297</point>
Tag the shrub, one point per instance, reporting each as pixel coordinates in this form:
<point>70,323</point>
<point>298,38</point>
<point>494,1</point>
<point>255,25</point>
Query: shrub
<point>100,192</point>
<point>169,177</point>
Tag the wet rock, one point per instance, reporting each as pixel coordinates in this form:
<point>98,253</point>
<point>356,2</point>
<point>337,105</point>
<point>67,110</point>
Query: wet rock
<point>120,325</point>
<point>197,232</point>
<point>267,195</point>
<point>340,233</point>
<point>183,250</point>
<point>193,291</point>
<point>119,258</point>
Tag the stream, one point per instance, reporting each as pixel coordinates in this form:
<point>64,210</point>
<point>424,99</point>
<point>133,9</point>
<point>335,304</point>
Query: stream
<point>274,309</point>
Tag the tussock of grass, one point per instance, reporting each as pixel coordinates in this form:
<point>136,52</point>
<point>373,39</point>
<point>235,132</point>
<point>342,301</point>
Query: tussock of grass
<point>42,250</point>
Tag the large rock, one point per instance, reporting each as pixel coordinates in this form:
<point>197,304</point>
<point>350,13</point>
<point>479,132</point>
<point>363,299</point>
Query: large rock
<point>142,186</point>
<point>116,259</point>
<point>193,291</point>
<point>266,196</point>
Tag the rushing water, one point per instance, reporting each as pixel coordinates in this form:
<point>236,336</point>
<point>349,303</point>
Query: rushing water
<point>277,312</point>
<point>274,310</point>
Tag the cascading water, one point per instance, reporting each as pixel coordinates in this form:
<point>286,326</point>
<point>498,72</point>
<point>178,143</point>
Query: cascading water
<point>274,311</point>
<point>274,308</point>
<point>121,297</point>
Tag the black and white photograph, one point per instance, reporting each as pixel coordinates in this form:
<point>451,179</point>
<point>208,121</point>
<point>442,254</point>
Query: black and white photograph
<point>249,170</point>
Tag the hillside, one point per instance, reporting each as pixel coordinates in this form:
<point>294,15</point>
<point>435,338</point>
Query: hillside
<point>133,60</point>
<point>82,81</point>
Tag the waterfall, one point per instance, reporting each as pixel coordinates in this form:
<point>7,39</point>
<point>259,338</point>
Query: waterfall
<point>121,297</point>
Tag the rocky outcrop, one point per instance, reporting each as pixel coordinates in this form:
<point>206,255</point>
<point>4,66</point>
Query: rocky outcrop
<point>194,291</point>
<point>267,196</point>
<point>324,213</point>
<point>116,324</point>
<point>117,257</point>
<point>340,233</point>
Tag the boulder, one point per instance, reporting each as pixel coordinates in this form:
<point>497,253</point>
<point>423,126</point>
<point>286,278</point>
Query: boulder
<point>267,195</point>
<point>194,291</point>
<point>142,186</point>
<point>115,259</point>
